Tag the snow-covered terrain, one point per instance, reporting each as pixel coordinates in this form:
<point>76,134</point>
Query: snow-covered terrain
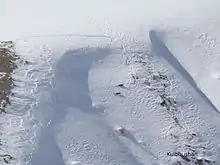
<point>113,82</point>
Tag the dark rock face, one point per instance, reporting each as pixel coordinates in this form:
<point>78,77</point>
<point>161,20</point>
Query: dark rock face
<point>7,66</point>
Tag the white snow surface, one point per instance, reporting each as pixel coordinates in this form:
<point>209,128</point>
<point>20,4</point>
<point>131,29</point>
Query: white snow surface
<point>65,109</point>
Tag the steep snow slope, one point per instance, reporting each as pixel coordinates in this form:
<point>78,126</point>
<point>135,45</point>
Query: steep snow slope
<point>91,88</point>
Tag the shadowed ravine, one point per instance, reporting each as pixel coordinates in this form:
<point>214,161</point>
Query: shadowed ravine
<point>71,92</point>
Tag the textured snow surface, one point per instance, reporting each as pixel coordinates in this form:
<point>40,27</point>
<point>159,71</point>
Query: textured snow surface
<point>113,83</point>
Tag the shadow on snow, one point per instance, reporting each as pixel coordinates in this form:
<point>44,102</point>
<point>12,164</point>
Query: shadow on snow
<point>70,90</point>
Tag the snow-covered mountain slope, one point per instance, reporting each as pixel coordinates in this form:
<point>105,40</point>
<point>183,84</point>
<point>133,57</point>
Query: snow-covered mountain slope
<point>114,82</point>
<point>80,103</point>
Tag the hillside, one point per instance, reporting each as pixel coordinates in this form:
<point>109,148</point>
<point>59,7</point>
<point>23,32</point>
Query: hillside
<point>123,83</point>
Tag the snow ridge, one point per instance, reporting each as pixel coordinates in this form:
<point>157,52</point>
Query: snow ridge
<point>163,52</point>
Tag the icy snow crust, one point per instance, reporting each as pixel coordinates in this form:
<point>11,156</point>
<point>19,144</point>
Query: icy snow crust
<point>102,94</point>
